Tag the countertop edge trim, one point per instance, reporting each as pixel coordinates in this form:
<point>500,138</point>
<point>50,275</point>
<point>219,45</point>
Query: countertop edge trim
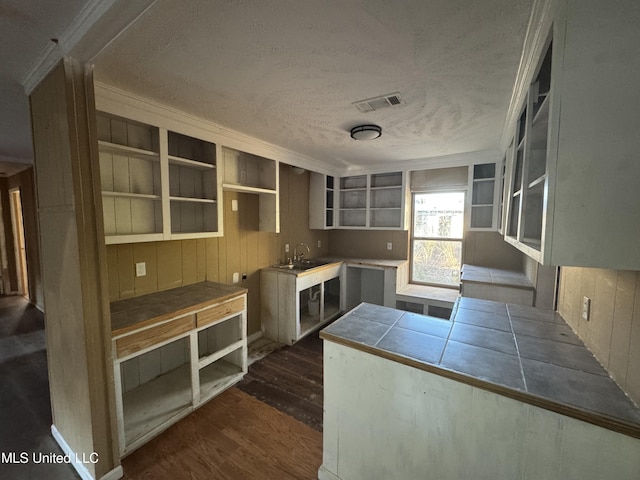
<point>593,418</point>
<point>144,324</point>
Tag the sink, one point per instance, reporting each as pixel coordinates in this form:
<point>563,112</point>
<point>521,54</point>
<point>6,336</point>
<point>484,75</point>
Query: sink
<point>303,265</point>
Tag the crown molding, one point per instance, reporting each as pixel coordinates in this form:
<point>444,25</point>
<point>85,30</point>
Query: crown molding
<point>115,101</point>
<point>538,28</point>
<point>97,24</point>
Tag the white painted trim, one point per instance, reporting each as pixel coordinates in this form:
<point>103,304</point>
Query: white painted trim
<point>537,31</point>
<point>113,100</point>
<point>77,33</point>
<point>428,163</point>
<point>255,336</point>
<point>78,466</point>
<point>324,474</point>
<point>114,474</point>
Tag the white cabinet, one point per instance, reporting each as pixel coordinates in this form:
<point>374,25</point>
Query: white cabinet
<point>322,201</point>
<point>156,184</point>
<point>484,196</point>
<point>371,284</point>
<point>170,363</point>
<point>376,201</point>
<point>294,305</point>
<point>193,186</point>
<point>247,173</point>
<point>573,186</point>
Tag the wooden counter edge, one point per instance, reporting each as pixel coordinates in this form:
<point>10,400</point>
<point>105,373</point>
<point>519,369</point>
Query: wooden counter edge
<point>177,313</point>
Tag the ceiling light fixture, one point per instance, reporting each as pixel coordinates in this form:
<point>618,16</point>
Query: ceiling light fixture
<point>366,132</point>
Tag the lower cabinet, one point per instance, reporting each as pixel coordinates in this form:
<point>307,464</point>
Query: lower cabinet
<point>167,368</point>
<point>296,304</point>
<point>370,284</point>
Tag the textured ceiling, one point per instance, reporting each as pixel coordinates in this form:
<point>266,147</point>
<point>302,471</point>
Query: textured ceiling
<point>288,71</point>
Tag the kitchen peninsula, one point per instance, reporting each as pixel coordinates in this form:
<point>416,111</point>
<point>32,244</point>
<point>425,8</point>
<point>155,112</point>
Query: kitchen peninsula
<point>500,391</point>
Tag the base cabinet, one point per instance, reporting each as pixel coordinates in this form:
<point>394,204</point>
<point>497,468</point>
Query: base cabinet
<point>294,305</point>
<point>366,283</point>
<point>164,370</point>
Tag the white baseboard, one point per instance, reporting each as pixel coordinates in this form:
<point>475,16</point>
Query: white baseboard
<point>324,474</point>
<point>115,474</point>
<point>76,460</point>
<point>254,336</point>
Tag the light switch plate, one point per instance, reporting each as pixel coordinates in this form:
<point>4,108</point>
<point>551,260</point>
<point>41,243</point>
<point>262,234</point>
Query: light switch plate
<point>389,246</point>
<point>141,269</point>
<point>234,205</point>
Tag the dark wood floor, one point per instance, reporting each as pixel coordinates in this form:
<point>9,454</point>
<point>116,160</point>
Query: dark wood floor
<point>267,427</point>
<point>290,379</point>
<point>25,405</point>
<point>234,436</point>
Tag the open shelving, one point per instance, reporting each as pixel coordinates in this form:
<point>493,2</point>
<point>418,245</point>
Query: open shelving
<point>156,184</point>
<point>372,201</point>
<point>130,178</point>
<point>483,195</point>
<point>165,369</point>
<point>248,173</point>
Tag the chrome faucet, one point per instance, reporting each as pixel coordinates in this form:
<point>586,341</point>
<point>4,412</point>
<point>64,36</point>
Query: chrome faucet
<point>298,258</point>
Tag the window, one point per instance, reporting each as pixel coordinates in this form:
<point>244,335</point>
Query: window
<point>436,238</point>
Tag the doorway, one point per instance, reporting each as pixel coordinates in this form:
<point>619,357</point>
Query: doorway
<point>17,223</point>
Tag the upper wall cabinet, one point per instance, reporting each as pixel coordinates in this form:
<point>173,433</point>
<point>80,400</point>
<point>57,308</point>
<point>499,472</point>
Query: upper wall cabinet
<point>484,196</point>
<point>247,173</point>
<point>156,185</point>
<point>322,201</point>
<point>375,201</point>
<point>572,190</point>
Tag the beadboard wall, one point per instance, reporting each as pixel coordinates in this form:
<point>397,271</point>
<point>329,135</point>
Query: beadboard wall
<point>613,331</point>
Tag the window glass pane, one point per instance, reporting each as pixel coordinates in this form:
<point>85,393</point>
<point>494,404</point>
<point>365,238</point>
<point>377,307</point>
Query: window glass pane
<point>438,215</point>
<point>437,261</point>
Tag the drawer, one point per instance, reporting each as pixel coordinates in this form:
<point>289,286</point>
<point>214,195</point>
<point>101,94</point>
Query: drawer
<point>149,337</point>
<point>217,312</point>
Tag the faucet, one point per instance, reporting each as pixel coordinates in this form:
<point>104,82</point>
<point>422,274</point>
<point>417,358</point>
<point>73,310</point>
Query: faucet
<point>296,257</point>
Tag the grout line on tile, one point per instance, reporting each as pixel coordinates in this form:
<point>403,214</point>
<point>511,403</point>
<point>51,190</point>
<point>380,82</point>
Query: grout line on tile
<point>515,339</point>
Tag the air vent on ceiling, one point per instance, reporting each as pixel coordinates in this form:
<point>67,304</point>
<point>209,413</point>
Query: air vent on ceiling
<point>376,103</point>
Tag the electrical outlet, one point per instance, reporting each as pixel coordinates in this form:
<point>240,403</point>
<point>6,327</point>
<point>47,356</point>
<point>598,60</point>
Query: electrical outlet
<point>234,205</point>
<point>319,243</point>
<point>286,248</point>
<point>586,308</point>
<point>389,246</point>
<point>236,277</point>
<point>141,269</point>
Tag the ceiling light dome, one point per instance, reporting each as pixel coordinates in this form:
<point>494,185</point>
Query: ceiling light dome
<point>366,132</point>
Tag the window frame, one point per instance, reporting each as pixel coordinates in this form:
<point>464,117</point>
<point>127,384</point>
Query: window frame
<point>413,237</point>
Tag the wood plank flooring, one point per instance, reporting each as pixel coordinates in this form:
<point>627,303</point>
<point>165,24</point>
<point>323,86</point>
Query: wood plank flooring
<point>290,379</point>
<point>269,427</point>
<point>234,436</point>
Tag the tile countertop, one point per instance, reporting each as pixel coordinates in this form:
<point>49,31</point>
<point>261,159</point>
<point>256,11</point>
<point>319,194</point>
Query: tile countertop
<point>521,352</point>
